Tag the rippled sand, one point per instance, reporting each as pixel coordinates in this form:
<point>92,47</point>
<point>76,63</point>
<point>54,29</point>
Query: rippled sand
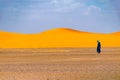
<point>60,64</point>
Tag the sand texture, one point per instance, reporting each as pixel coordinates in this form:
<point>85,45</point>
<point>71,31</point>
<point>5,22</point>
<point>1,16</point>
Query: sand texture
<point>60,64</point>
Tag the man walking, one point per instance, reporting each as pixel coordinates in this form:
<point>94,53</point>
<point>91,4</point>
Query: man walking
<point>98,47</point>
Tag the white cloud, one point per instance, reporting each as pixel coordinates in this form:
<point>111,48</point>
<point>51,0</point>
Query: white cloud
<point>71,5</point>
<point>65,5</point>
<point>93,9</point>
<point>104,1</point>
<point>58,2</point>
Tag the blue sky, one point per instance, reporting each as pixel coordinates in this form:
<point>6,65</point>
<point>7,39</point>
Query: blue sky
<point>34,16</point>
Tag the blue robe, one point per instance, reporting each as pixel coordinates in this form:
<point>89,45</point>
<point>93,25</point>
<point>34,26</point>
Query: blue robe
<point>99,47</point>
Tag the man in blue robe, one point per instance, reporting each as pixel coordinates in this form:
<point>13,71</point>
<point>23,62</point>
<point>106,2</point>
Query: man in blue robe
<point>98,47</point>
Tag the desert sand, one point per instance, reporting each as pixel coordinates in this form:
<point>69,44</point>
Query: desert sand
<point>60,64</point>
<point>58,38</point>
<point>59,54</point>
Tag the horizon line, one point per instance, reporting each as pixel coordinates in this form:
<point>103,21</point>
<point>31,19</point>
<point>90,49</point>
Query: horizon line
<point>59,28</point>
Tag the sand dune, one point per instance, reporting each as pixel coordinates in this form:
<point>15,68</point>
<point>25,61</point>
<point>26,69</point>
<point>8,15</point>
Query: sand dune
<point>116,33</point>
<point>59,37</point>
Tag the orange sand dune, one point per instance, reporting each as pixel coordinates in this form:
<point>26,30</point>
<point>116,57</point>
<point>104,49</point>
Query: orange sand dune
<point>58,38</point>
<point>116,33</point>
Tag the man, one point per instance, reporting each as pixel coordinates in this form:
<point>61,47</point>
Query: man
<point>98,47</point>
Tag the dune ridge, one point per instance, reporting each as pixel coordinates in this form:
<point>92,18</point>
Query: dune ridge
<point>58,38</point>
<point>116,33</point>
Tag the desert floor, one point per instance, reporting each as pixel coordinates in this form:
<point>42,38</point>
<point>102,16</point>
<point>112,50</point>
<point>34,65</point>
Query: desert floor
<point>60,64</point>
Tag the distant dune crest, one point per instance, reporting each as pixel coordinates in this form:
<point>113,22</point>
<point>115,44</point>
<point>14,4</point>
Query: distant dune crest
<point>58,38</point>
<point>116,33</point>
<point>60,30</point>
<point>67,30</point>
<point>64,31</point>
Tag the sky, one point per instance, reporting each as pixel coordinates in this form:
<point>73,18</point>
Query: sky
<point>34,16</point>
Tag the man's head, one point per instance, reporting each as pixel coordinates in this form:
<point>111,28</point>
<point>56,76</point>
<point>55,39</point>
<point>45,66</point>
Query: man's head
<point>98,41</point>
